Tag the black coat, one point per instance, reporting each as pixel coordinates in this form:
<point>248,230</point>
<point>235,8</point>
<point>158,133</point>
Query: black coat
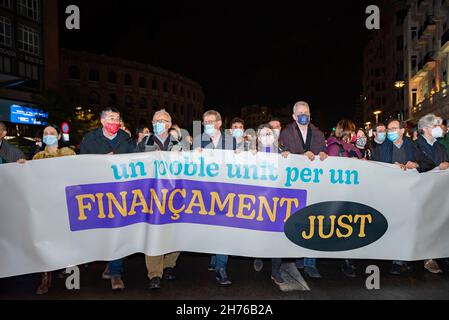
<point>96,143</point>
<point>431,156</point>
<point>9,153</point>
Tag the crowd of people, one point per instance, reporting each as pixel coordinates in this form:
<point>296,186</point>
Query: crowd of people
<point>390,143</point>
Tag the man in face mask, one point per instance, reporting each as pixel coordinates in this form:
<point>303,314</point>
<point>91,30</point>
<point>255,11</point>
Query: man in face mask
<point>380,136</point>
<point>214,138</point>
<point>109,139</point>
<point>434,154</point>
<point>8,153</point>
<point>303,138</point>
<point>400,150</point>
<point>163,266</point>
<point>161,139</point>
<point>238,132</point>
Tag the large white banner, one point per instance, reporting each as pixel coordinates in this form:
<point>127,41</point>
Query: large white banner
<point>68,211</point>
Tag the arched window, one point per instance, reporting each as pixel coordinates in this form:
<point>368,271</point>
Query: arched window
<point>128,80</point>
<point>112,77</point>
<point>94,75</point>
<point>94,98</point>
<point>74,73</point>
<point>175,89</point>
<point>142,82</point>
<point>165,87</point>
<point>155,85</point>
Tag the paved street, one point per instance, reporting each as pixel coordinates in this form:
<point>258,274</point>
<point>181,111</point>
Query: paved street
<point>196,283</point>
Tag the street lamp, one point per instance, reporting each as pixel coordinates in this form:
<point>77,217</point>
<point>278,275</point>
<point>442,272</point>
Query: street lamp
<point>377,114</point>
<point>399,84</point>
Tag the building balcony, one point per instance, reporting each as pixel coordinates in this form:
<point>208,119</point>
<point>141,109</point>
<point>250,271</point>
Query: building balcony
<point>435,104</point>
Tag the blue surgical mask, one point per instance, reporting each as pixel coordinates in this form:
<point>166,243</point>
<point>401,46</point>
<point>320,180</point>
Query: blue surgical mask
<point>209,129</point>
<point>237,133</point>
<point>303,119</point>
<point>393,136</point>
<point>158,128</point>
<point>381,137</point>
<point>50,140</point>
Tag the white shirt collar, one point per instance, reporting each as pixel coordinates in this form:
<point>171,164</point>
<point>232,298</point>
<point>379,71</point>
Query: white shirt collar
<point>431,143</point>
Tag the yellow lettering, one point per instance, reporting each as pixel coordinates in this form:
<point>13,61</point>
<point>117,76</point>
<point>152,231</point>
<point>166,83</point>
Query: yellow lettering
<point>265,205</point>
<point>321,227</point>
<point>82,207</point>
<point>155,199</point>
<point>248,206</point>
<point>345,226</point>
<point>312,229</point>
<point>175,213</point>
<point>288,209</point>
<point>216,201</point>
<point>138,201</point>
<point>121,208</point>
<point>197,196</point>
<point>363,219</point>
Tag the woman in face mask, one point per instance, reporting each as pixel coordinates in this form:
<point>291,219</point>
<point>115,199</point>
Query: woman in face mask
<point>52,148</point>
<point>362,143</point>
<point>266,142</point>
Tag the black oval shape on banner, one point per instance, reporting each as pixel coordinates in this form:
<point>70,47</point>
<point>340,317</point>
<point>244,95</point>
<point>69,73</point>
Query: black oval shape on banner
<point>336,226</point>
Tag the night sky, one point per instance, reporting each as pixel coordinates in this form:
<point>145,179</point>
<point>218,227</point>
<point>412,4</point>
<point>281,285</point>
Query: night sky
<point>242,53</point>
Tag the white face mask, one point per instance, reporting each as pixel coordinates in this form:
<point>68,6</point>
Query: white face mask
<point>437,133</point>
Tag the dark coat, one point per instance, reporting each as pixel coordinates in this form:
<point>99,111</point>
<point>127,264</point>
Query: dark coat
<point>430,157</point>
<point>290,140</point>
<point>385,151</point>
<point>9,153</point>
<point>152,143</point>
<point>96,143</point>
<point>227,142</point>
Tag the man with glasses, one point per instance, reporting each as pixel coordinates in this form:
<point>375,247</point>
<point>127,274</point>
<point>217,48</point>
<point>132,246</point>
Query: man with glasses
<point>160,140</point>
<point>435,156</point>
<point>303,138</point>
<point>214,138</point>
<point>398,150</point>
<point>109,139</point>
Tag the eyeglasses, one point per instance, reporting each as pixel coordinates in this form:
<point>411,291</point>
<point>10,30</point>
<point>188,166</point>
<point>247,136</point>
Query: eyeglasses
<point>113,119</point>
<point>206,123</point>
<point>161,121</point>
<point>393,129</point>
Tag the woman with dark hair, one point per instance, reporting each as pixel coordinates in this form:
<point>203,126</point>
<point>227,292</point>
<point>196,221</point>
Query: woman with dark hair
<point>52,147</point>
<point>341,146</point>
<point>363,144</point>
<point>266,143</point>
